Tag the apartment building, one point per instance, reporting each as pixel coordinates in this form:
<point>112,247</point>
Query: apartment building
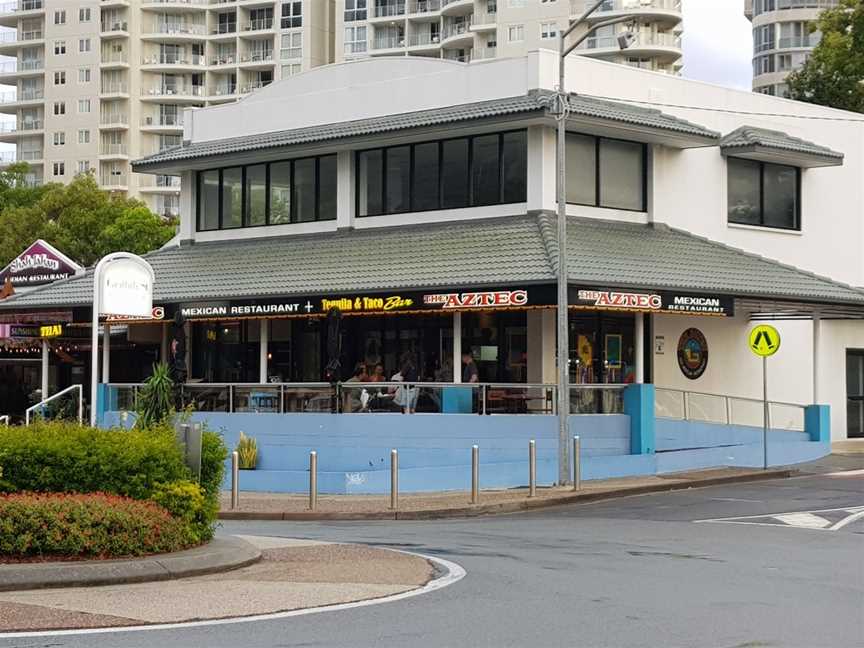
<point>97,83</point>
<point>468,30</point>
<point>782,41</point>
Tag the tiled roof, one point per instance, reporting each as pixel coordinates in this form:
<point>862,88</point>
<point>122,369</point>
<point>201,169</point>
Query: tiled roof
<point>533,102</point>
<point>490,252</point>
<point>750,137</point>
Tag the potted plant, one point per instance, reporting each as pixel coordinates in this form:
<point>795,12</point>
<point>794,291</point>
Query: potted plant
<point>247,452</point>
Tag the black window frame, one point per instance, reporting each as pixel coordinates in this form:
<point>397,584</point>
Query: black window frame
<point>797,217</point>
<point>598,203</point>
<point>245,220</point>
<point>412,166</point>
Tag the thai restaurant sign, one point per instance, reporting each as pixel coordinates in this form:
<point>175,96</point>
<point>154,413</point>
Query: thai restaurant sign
<point>653,302</point>
<point>39,264</point>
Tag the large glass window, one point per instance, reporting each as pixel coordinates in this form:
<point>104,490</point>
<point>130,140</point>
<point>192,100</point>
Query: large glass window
<point>763,194</point>
<point>293,191</point>
<point>603,172</point>
<point>208,200</point>
<point>462,172</point>
<point>232,197</point>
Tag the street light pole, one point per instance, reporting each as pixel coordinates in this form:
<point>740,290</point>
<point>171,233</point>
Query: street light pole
<point>562,110</point>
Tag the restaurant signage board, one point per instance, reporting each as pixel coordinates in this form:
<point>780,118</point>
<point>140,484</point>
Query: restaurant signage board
<point>39,264</point>
<point>125,287</point>
<point>653,302</point>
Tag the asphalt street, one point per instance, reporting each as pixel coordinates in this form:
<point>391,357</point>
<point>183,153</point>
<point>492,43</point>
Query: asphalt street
<point>669,569</point>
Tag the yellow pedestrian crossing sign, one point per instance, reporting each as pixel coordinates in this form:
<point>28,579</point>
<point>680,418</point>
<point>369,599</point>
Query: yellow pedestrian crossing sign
<point>764,340</point>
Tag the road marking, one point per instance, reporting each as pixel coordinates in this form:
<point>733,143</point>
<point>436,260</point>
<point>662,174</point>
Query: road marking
<point>798,519</point>
<point>454,574</point>
<point>846,473</point>
<point>804,520</point>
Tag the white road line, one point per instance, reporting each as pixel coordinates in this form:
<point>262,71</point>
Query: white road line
<point>846,473</point>
<point>803,520</point>
<point>850,509</point>
<point>848,520</point>
<point>454,574</point>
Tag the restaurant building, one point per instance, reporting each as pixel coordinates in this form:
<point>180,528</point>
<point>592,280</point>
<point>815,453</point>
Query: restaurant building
<point>417,197</point>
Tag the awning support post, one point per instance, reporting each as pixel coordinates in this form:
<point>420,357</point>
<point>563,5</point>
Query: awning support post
<point>263,341</point>
<point>817,335</point>
<point>457,347</point>
<point>46,363</point>
<point>106,353</point>
<point>639,347</point>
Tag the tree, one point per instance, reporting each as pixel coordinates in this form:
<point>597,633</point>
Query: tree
<point>834,74</point>
<point>80,219</point>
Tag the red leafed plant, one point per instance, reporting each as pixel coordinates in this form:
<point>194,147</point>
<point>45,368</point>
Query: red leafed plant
<point>92,525</point>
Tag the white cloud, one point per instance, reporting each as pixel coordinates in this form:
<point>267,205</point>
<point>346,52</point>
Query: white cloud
<point>718,43</point>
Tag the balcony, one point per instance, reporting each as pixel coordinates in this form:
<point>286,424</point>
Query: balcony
<point>798,42</point>
<point>114,181</point>
<point>387,11</point>
<point>484,21</point>
<point>114,60</point>
<point>263,58</point>
<point>174,31</point>
<point>11,101</point>
<point>114,29</point>
<point>30,67</point>
<point>457,34</point>
<point>11,132</point>
<point>167,93</point>
<point>159,184</point>
<point>255,85</point>
<point>388,42</point>
<point>172,61</point>
<point>178,5</point>
<point>118,88</point>
<point>11,41</point>
<point>224,59</point>
<point>108,150</point>
<point>31,157</point>
<point>429,9</point>
<point>162,123</point>
<point>658,45</point>
<point>424,41</point>
<point>260,24</point>
<point>11,12</point>
<point>667,11</point>
<point>456,7</point>
<point>114,121</point>
<point>224,29</point>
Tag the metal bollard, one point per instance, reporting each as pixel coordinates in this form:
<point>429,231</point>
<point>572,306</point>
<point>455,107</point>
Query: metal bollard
<point>475,474</point>
<point>394,479</point>
<point>577,463</point>
<point>313,481</point>
<point>235,480</point>
<point>532,468</point>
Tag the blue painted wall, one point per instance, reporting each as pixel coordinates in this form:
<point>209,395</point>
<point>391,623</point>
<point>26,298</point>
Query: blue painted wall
<point>435,450</point>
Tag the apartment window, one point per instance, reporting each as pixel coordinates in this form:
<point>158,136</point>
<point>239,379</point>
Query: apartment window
<point>355,39</point>
<point>448,174</point>
<point>547,1</point>
<point>763,38</point>
<point>762,194</point>
<point>355,10</point>
<point>59,168</point>
<point>84,75</point>
<point>291,69</point>
<point>548,30</point>
<point>84,15</point>
<point>516,4</point>
<point>292,15</point>
<point>60,17</point>
<point>603,172</point>
<point>516,33</point>
<point>59,47</point>
<point>59,138</point>
<point>292,191</point>
<point>60,78</point>
<point>83,136</point>
<point>784,62</point>
<point>59,107</point>
<point>84,45</point>
<point>83,106</point>
<point>763,65</point>
<point>83,166</point>
<point>292,46</point>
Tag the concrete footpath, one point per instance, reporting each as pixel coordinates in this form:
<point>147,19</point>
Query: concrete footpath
<point>425,506</point>
<point>291,575</point>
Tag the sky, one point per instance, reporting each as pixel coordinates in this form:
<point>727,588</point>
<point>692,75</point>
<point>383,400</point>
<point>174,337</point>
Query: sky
<point>718,43</point>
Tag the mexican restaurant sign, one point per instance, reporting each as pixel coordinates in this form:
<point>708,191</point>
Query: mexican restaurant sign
<point>658,302</point>
<point>39,264</point>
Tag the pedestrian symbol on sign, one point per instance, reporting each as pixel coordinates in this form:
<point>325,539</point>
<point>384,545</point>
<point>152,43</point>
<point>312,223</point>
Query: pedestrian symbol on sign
<point>764,340</point>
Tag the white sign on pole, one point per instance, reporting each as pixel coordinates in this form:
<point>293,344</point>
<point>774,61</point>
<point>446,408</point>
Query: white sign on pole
<point>122,285</point>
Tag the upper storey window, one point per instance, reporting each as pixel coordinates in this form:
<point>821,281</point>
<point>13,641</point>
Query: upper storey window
<point>278,193</point>
<point>762,194</point>
<point>603,172</point>
<point>447,174</point>
<point>355,10</point>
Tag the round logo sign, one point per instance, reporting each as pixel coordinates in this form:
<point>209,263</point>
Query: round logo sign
<point>764,340</point>
<point>692,353</point>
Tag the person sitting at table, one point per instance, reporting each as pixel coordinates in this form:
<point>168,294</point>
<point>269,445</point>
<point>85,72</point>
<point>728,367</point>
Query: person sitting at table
<point>378,373</point>
<point>352,398</point>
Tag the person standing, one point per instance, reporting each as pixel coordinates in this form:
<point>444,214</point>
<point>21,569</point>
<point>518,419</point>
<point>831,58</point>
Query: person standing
<point>470,374</point>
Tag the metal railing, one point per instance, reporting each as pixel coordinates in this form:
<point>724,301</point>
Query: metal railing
<point>578,6</point>
<point>21,5</point>
<point>391,9</point>
<point>4,420</point>
<point>258,24</point>
<point>360,397</point>
<point>423,38</point>
<point>642,40</point>
<point>456,28</point>
<point>40,406</point>
<point>424,6</point>
<point>118,180</point>
<point>601,398</point>
<point>727,410</point>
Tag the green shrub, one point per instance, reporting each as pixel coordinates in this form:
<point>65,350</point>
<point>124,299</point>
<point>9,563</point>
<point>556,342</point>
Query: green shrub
<point>186,500</point>
<point>58,456</point>
<point>213,456</point>
<point>247,452</point>
<point>155,403</point>
<point>93,525</point>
